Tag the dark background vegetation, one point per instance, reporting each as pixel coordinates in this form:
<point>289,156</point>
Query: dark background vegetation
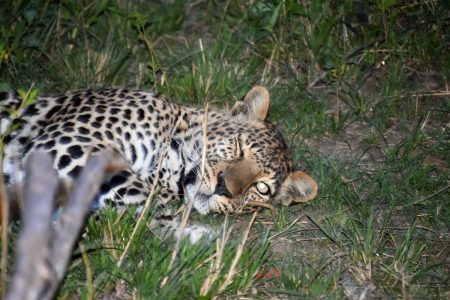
<point>361,91</point>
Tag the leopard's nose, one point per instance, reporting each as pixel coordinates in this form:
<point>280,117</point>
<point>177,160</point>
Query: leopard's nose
<point>221,187</point>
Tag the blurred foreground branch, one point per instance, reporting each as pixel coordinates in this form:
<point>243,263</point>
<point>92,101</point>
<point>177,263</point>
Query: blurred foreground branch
<point>44,247</point>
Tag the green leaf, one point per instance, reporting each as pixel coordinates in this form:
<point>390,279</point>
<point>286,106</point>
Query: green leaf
<point>273,18</point>
<point>386,4</point>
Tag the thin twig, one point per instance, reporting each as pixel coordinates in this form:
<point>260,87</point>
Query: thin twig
<point>287,228</point>
<point>427,197</point>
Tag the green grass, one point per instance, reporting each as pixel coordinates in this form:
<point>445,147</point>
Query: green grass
<point>360,89</point>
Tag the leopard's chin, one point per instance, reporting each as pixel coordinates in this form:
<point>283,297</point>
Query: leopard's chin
<point>201,200</point>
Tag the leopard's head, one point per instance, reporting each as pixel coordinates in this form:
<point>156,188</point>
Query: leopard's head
<point>247,160</point>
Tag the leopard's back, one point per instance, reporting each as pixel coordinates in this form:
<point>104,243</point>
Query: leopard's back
<point>75,124</point>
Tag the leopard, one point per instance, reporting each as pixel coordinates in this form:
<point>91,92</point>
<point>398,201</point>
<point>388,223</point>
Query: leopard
<point>220,159</point>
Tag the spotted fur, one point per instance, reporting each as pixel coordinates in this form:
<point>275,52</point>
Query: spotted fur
<point>246,156</point>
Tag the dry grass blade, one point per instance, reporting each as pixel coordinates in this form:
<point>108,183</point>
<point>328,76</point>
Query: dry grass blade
<point>240,249</point>
<point>72,218</point>
<point>443,189</point>
<point>143,213</point>
<point>287,228</point>
<point>428,94</point>
<point>188,209</point>
<point>217,265</point>
<point>89,273</point>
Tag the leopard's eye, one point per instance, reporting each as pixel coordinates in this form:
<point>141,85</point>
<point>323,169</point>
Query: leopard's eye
<point>263,188</point>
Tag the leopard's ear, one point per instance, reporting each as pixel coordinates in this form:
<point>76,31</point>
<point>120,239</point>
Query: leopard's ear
<point>298,187</point>
<point>255,105</point>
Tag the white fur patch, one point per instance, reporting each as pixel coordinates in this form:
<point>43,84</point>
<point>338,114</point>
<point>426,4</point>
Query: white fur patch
<point>4,125</point>
<point>201,201</point>
<point>304,188</point>
<point>13,171</point>
<point>196,233</point>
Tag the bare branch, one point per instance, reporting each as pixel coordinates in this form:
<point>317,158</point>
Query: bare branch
<point>44,251</point>
<point>74,214</point>
<point>33,272</point>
